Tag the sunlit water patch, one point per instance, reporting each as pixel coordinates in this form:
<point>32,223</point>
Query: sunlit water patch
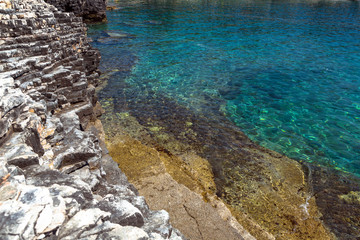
<point>286,73</point>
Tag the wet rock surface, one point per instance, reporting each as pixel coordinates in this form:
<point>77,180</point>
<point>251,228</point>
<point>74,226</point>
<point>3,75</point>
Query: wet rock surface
<point>338,198</point>
<point>270,195</point>
<point>181,193</point>
<point>286,199</point>
<point>56,179</point>
<point>268,192</point>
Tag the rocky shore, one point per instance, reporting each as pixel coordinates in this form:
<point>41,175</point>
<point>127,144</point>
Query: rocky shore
<point>57,180</point>
<point>89,10</point>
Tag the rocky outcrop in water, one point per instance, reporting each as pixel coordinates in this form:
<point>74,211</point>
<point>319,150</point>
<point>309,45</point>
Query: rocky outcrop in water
<point>57,180</point>
<point>89,10</point>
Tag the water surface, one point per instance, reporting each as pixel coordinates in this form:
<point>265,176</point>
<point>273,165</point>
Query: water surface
<point>287,73</point>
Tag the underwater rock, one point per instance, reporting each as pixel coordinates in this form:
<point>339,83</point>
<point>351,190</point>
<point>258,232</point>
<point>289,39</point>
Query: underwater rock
<point>149,171</point>
<point>110,8</point>
<point>120,35</point>
<point>338,198</point>
<point>154,22</point>
<point>268,193</point>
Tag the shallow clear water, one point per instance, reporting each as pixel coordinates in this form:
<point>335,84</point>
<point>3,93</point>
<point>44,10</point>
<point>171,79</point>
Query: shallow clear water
<point>286,73</point>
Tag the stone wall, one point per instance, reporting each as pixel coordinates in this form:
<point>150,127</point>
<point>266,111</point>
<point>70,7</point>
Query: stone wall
<point>90,10</point>
<point>57,180</point>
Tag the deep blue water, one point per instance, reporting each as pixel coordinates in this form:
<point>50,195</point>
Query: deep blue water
<point>287,73</point>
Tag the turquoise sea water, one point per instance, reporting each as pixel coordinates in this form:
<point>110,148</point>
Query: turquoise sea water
<point>287,73</point>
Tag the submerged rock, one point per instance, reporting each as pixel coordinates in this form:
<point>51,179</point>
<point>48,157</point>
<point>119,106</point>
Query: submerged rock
<point>268,193</point>
<point>338,198</point>
<point>56,179</point>
<point>196,217</point>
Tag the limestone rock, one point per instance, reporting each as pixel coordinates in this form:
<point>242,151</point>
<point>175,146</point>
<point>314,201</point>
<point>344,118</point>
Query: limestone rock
<point>123,213</point>
<point>20,155</point>
<point>77,147</point>
<point>192,214</point>
<point>34,211</point>
<point>82,221</point>
<point>129,232</point>
<point>56,179</point>
<point>90,10</point>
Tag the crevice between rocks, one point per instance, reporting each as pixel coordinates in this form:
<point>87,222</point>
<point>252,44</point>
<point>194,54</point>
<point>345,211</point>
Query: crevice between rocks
<point>197,223</point>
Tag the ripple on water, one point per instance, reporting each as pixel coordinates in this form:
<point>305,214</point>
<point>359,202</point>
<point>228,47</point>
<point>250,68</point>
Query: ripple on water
<point>286,73</point>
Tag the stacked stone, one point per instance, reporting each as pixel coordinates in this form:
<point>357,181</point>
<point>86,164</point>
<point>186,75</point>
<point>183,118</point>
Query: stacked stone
<point>56,180</point>
<point>90,10</point>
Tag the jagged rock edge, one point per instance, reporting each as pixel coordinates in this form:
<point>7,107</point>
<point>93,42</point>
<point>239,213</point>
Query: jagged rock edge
<point>53,166</point>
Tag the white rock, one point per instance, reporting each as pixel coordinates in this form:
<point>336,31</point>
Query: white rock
<point>155,236</point>
<point>58,217</point>
<point>82,220</point>
<point>51,217</point>
<point>129,232</point>
<point>24,221</point>
<point>43,220</point>
<point>127,208</point>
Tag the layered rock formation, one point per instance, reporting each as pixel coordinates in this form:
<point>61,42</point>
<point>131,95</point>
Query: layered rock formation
<point>89,10</point>
<point>57,180</point>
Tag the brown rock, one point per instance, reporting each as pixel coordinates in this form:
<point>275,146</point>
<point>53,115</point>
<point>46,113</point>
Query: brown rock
<point>149,171</point>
